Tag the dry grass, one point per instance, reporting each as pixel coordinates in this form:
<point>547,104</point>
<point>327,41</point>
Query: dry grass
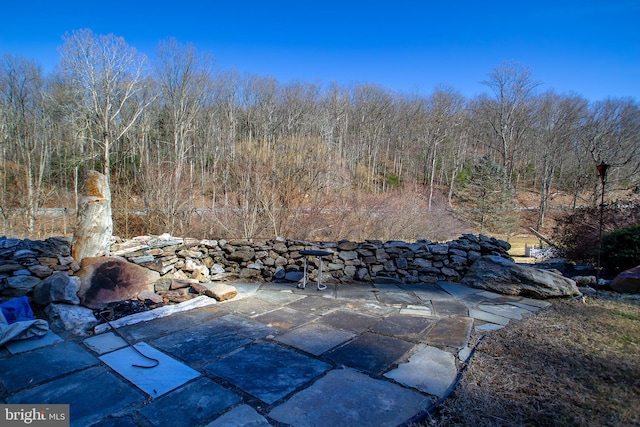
<point>575,364</point>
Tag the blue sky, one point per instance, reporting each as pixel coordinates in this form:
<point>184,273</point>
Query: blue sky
<point>591,48</point>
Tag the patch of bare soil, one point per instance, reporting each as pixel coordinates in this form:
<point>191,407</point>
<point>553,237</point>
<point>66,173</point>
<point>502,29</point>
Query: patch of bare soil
<point>574,364</point>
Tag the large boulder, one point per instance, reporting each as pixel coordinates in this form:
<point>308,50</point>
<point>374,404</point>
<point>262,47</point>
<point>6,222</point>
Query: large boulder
<point>628,281</point>
<point>70,318</point>
<point>59,287</point>
<point>109,279</point>
<point>501,275</point>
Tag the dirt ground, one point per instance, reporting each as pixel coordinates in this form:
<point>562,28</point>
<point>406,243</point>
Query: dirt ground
<point>576,363</point>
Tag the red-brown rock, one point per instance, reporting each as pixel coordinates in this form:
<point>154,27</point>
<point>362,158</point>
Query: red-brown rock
<point>628,281</point>
<point>108,279</point>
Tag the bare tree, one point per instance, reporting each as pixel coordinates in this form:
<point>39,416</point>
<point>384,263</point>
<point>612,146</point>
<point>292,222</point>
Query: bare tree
<point>556,126</point>
<point>23,127</point>
<point>610,134</point>
<point>109,76</point>
<point>508,113</point>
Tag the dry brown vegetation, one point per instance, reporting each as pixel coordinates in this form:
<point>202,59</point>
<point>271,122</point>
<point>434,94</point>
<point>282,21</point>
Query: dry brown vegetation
<point>575,364</point>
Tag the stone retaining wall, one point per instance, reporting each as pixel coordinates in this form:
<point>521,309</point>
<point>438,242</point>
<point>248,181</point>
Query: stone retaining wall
<point>25,263</point>
<point>213,260</point>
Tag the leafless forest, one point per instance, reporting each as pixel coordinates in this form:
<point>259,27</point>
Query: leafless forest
<point>191,149</point>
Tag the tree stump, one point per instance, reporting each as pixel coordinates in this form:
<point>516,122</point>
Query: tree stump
<point>94,225</point>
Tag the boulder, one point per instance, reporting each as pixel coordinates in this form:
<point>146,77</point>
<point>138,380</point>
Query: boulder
<point>221,291</point>
<point>59,287</point>
<point>628,281</point>
<point>501,275</point>
<point>20,285</point>
<point>108,279</point>
<point>72,318</point>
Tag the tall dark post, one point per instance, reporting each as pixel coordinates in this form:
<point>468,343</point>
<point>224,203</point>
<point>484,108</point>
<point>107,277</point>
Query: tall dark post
<point>602,171</point>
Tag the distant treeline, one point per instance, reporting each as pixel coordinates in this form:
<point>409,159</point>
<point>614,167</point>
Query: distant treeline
<point>181,134</point>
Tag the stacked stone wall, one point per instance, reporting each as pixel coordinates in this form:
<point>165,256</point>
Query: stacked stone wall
<point>25,263</point>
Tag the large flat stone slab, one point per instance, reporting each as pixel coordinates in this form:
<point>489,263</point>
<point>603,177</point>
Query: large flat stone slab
<point>279,297</point>
<point>267,371</point>
<point>417,310</point>
<point>397,298</point>
<point>430,370</point>
<point>504,310</point>
<point>450,332</point>
<point>92,394</point>
<point>43,364</point>
<point>357,292</point>
<point>449,308</point>
<point>285,318</point>
<point>248,306</point>
<point>458,291</point>
<point>315,305</point>
<point>167,375</point>
<point>240,416</point>
<point>369,352</point>
<point>411,328</point>
<point>427,292</point>
<point>315,338</point>
<point>348,320</point>
<point>488,317</point>
<point>105,343</point>
<point>204,343</point>
<point>346,398</point>
<point>175,322</point>
<point>191,405</point>
<point>21,346</point>
<point>247,328</point>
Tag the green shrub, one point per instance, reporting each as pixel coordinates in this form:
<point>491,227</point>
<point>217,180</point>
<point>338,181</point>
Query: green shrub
<point>621,249</point>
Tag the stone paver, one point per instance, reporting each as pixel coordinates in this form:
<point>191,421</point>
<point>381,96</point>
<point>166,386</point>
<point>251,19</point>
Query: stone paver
<point>92,394</point>
<point>240,416</point>
<point>167,375</point>
<point>346,398</point>
<point>315,338</point>
<point>196,403</point>
<point>22,346</point>
<point>397,298</point>
<point>267,371</point>
<point>285,318</point>
<point>203,343</point>
<point>349,355</point>
<point>410,328</point>
<point>369,352</point>
<point>449,308</point>
<point>450,332</point>
<point>458,291</point>
<point>105,343</point>
<point>175,322</point>
<point>43,364</point>
<point>488,317</point>
<point>427,292</point>
<point>315,305</point>
<point>504,310</point>
<point>429,369</point>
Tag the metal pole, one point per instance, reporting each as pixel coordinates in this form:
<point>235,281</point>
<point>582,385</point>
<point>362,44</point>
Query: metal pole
<point>602,171</point>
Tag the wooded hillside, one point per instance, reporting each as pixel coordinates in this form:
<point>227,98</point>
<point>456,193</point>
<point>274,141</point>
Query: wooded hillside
<point>191,149</point>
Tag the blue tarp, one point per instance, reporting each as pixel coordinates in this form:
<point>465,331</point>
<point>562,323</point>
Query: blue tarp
<point>17,310</point>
